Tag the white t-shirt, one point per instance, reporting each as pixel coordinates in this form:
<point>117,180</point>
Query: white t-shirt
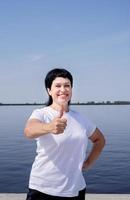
<point>57,169</point>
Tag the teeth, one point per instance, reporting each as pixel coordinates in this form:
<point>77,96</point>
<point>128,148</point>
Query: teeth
<point>64,96</point>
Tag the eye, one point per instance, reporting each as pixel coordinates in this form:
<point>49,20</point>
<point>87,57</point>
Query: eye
<point>58,86</point>
<point>67,85</point>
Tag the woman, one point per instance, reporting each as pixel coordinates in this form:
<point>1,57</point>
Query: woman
<point>62,135</point>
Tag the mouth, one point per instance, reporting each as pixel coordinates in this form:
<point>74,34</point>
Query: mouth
<point>63,96</point>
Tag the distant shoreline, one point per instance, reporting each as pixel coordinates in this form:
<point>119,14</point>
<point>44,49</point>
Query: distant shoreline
<point>73,103</point>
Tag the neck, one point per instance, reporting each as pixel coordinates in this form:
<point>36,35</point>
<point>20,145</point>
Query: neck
<point>59,107</point>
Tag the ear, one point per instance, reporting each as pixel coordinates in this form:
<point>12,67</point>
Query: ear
<point>49,91</point>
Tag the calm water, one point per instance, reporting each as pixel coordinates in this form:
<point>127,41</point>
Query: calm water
<point>110,174</point>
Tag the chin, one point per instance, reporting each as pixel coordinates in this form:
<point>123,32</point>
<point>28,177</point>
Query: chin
<point>63,102</point>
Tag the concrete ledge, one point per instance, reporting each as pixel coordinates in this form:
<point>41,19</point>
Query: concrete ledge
<point>13,196</point>
<point>107,197</point>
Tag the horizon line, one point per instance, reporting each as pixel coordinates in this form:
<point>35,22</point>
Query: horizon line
<point>119,102</point>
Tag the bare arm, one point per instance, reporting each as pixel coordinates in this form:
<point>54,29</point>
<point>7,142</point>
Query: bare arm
<point>35,128</point>
<point>98,141</point>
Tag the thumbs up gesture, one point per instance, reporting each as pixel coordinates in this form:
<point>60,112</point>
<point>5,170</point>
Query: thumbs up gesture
<point>59,123</point>
<point>61,111</point>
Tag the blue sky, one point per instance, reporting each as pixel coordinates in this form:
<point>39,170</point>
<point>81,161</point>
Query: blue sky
<point>90,38</point>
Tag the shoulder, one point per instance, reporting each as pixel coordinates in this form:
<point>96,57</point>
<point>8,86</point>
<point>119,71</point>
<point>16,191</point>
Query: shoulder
<point>44,114</point>
<point>38,113</point>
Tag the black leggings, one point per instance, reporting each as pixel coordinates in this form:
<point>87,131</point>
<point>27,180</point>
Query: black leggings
<point>36,195</point>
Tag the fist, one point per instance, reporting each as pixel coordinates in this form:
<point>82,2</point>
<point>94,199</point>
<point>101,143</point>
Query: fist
<point>58,125</point>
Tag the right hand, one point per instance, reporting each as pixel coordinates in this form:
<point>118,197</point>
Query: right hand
<point>59,124</point>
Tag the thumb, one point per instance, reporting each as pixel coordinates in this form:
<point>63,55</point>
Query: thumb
<point>61,111</point>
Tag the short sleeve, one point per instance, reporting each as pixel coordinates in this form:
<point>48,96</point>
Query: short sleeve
<point>37,114</point>
<point>90,127</point>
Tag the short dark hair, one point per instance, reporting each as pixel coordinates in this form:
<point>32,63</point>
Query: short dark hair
<point>52,75</point>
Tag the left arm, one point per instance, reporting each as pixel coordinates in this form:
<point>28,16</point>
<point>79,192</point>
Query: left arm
<point>98,141</point>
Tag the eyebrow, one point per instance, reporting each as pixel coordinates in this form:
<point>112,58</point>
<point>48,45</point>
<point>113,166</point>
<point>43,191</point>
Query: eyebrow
<point>63,83</point>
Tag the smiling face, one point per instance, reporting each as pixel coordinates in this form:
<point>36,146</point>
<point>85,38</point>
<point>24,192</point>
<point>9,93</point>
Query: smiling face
<point>61,91</point>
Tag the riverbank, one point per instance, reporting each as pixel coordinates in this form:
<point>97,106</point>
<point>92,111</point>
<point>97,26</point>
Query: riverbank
<point>13,196</point>
<point>90,103</point>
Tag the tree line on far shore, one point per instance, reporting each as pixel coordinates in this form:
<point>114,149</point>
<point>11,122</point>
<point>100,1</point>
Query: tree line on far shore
<point>73,103</point>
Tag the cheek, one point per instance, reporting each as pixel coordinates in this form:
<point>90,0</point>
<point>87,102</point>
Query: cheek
<point>52,91</point>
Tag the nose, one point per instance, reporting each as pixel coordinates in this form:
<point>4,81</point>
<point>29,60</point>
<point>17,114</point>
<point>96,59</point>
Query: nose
<point>62,89</point>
